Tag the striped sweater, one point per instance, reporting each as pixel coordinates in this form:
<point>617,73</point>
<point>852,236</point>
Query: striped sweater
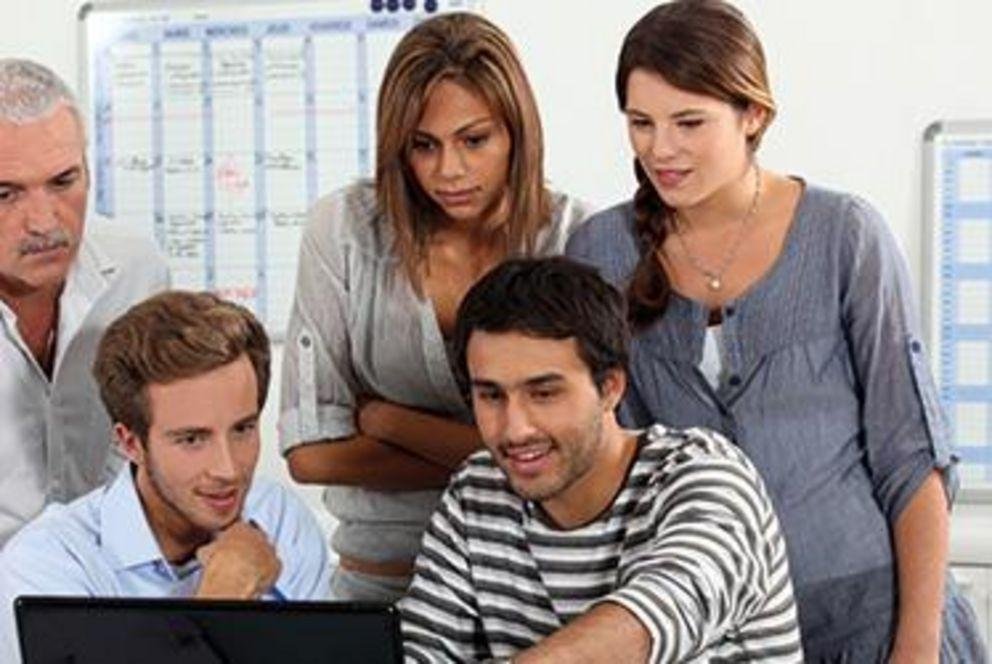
<point>690,546</point>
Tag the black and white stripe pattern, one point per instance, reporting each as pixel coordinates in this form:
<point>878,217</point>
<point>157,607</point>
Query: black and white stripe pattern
<point>690,546</point>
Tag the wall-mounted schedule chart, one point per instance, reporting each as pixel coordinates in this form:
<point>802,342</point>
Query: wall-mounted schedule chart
<point>214,126</point>
<point>958,282</point>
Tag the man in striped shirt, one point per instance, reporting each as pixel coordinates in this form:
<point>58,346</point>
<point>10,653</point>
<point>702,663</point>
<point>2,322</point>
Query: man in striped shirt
<point>570,539</point>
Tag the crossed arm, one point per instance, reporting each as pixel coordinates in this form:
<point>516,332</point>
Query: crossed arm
<point>397,448</point>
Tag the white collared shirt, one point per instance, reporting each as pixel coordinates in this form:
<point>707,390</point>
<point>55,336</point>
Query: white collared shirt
<point>55,437</point>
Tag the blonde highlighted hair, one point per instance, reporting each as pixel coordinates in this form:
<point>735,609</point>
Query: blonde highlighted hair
<point>471,51</point>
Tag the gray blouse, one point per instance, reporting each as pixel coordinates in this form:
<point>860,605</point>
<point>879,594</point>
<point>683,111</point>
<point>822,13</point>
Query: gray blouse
<point>357,327</point>
<point>826,387</point>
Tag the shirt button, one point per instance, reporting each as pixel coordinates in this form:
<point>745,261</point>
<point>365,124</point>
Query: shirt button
<point>728,312</point>
<point>734,380</point>
<point>305,341</point>
<point>915,347</point>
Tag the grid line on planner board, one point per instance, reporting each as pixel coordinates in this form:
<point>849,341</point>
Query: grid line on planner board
<point>148,152</point>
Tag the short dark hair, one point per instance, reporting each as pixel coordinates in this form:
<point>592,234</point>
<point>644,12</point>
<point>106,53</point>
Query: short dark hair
<point>553,298</point>
<point>172,336</point>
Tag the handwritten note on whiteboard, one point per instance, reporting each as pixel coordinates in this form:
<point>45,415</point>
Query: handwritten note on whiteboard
<point>214,128</point>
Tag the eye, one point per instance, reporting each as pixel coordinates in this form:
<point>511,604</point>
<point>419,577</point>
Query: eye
<point>474,141</point>
<point>487,396</point>
<point>421,145</point>
<point>191,439</point>
<point>544,393</point>
<point>7,194</point>
<point>638,122</point>
<point>245,428</point>
<point>690,123</point>
<point>66,179</point>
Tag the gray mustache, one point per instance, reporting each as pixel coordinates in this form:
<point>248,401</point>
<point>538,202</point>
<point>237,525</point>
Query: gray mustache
<point>37,244</point>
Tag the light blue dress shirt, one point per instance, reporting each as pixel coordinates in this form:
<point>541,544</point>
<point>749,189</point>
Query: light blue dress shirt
<point>101,545</point>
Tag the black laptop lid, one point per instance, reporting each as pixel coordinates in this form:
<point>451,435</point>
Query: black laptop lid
<point>159,631</point>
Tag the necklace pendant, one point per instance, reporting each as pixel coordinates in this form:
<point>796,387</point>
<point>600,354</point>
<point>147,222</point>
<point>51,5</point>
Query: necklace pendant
<point>714,283</point>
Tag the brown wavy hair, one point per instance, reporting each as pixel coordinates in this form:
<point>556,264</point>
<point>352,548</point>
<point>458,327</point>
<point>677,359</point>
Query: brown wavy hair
<point>706,47</point>
<point>467,49</point>
<point>172,336</point>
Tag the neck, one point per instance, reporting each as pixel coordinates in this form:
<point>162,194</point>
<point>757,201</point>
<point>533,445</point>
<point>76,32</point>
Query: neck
<point>37,315</point>
<point>594,492</point>
<point>27,302</point>
<point>726,206</point>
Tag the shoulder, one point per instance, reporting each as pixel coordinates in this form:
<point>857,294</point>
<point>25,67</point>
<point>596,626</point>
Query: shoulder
<point>349,217</point>
<point>608,241</point>
<point>115,250</point>
<point>666,453</point>
<point>853,232</point>
<point>58,546</point>
<point>280,511</point>
<point>567,214</point>
<point>847,216</point>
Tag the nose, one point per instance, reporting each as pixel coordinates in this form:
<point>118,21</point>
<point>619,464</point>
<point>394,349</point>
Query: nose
<point>39,212</point>
<point>451,163</point>
<point>222,465</point>
<point>518,426</point>
<point>663,144</point>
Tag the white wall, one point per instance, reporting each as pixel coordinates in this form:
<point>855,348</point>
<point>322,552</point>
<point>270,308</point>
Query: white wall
<point>856,83</point>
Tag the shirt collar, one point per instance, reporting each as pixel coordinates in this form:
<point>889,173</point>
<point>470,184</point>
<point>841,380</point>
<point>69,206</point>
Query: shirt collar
<point>127,537</point>
<point>124,529</point>
<point>87,278</point>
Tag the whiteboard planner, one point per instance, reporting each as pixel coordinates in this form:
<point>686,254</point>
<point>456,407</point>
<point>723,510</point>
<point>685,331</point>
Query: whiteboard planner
<point>958,285</point>
<point>215,126</point>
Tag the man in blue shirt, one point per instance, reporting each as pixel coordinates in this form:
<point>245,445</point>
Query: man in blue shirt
<point>184,377</point>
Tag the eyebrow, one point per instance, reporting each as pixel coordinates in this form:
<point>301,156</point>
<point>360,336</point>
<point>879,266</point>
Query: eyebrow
<point>468,126</point>
<point>678,114</point>
<point>249,419</point>
<point>187,431</point>
<point>194,431</point>
<point>535,381</point>
<point>72,170</point>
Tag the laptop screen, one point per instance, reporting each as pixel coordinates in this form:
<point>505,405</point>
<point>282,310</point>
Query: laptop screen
<point>159,631</point>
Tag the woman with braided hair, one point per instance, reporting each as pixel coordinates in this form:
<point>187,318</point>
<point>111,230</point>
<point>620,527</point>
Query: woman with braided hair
<point>781,314</point>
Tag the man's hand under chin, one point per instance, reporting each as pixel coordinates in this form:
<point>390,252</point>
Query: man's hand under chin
<point>239,563</point>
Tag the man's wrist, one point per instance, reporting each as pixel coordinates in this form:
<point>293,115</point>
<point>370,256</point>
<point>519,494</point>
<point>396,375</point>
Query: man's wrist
<point>228,582</point>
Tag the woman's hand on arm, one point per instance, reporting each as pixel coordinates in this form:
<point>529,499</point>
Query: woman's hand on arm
<point>363,461</point>
<point>439,440</point>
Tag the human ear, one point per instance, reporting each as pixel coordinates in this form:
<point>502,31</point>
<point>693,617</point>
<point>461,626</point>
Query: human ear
<point>129,444</point>
<point>753,119</point>
<point>613,386</point>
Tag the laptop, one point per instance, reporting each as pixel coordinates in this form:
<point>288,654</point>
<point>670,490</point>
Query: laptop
<point>88,630</point>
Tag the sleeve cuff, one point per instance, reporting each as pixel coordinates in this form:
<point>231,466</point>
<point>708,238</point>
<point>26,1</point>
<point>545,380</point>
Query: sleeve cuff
<point>331,423</point>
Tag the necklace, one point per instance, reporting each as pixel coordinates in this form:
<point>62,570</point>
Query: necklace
<point>714,278</point>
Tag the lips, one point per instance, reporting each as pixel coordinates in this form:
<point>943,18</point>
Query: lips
<point>530,459</point>
<point>458,197</point>
<point>221,502</point>
<point>670,178</point>
<point>44,250</point>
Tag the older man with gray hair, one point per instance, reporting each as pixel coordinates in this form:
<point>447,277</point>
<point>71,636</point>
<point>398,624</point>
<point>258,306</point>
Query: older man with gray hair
<point>59,288</point>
